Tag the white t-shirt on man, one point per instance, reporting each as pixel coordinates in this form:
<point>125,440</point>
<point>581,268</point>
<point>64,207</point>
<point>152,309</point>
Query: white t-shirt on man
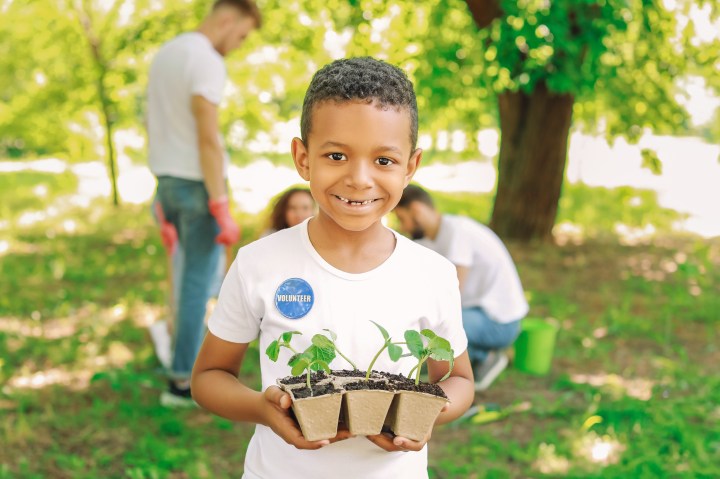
<point>492,282</point>
<point>186,66</point>
<point>280,283</point>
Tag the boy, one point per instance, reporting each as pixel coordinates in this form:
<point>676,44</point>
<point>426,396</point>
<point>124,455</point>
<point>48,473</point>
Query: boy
<point>359,131</point>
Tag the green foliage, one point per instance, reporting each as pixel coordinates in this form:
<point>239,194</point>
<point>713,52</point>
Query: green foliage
<point>394,351</point>
<point>273,349</point>
<point>317,356</point>
<point>426,345</point>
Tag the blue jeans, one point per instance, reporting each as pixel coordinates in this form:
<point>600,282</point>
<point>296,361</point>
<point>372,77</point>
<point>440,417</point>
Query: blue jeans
<point>485,335</point>
<point>184,203</point>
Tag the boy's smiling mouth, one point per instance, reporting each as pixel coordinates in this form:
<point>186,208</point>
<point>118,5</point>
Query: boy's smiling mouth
<point>355,202</point>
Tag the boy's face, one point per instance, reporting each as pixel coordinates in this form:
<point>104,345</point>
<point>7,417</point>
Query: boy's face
<point>358,160</point>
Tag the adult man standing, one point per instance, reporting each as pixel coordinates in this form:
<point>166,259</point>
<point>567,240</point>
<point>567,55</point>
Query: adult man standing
<point>493,301</point>
<point>187,155</point>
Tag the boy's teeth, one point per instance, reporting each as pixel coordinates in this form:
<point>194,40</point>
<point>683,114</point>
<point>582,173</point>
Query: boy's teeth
<point>355,202</point>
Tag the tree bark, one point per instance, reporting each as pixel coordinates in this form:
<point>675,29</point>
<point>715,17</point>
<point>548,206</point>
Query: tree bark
<point>531,166</point>
<point>484,11</point>
<point>83,11</point>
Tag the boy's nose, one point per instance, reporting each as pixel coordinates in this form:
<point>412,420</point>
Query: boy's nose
<point>360,174</point>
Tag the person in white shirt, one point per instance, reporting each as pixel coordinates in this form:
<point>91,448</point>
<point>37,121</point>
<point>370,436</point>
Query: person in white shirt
<point>339,270</point>
<point>187,156</point>
<point>493,300</point>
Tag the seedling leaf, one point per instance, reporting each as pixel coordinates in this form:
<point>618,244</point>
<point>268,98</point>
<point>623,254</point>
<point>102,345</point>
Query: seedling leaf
<point>332,334</point>
<point>322,342</point>
<point>287,336</point>
<point>273,351</point>
<point>395,352</point>
<point>414,343</point>
<point>322,364</point>
<point>383,331</point>
<point>429,333</point>
<point>300,366</point>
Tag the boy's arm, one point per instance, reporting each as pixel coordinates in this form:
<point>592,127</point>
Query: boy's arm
<point>215,387</point>
<point>459,389</point>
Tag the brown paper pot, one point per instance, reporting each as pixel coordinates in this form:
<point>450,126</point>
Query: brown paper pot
<point>318,416</point>
<point>364,410</point>
<point>412,414</point>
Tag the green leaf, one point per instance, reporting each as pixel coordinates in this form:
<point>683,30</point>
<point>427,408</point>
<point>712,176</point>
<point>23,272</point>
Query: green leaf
<point>414,343</point>
<point>429,333</point>
<point>321,364</point>
<point>395,352</point>
<point>273,351</point>
<point>294,359</point>
<point>382,330</point>
<point>323,342</point>
<point>332,334</point>
<point>300,366</point>
<point>287,336</point>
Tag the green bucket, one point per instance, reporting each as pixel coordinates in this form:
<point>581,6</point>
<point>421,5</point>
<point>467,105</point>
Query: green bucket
<point>535,345</point>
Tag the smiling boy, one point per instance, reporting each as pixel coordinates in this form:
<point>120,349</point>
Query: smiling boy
<point>337,270</point>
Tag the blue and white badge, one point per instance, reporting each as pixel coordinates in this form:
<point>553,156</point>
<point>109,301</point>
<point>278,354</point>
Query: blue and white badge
<point>294,298</point>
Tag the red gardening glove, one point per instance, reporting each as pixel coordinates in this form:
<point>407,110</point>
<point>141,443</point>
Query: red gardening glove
<point>229,230</point>
<point>168,233</point>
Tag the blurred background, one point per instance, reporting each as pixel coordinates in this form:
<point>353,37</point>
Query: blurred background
<point>585,132</point>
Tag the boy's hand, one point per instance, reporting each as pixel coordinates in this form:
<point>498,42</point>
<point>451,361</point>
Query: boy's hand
<point>278,419</point>
<point>392,443</point>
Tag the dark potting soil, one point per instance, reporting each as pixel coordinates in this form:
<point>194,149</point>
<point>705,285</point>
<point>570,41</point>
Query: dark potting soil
<point>317,390</point>
<point>376,385</point>
<point>402,383</point>
<point>314,377</point>
<point>348,373</point>
<point>422,387</point>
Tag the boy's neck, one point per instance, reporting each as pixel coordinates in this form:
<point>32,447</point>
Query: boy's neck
<point>351,251</point>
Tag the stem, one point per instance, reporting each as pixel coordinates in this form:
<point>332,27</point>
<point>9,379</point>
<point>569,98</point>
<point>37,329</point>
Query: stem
<point>417,369</point>
<point>308,379</point>
<point>346,358</point>
<point>369,369</point>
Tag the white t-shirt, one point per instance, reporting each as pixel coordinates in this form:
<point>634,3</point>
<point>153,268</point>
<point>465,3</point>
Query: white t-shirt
<point>492,282</point>
<point>186,66</point>
<point>280,283</point>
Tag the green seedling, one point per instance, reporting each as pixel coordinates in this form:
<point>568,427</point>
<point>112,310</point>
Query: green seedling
<point>394,351</point>
<point>330,343</point>
<point>437,348</point>
<point>317,356</point>
<point>273,349</point>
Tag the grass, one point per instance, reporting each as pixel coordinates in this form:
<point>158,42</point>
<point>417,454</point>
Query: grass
<point>633,391</point>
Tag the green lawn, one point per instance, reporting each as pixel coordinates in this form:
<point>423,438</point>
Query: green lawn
<point>633,392</point>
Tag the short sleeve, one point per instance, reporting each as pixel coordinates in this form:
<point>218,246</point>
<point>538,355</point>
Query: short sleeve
<point>233,318</point>
<point>207,78</point>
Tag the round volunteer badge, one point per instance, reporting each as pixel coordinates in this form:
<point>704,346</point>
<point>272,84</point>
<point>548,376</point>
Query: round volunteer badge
<point>294,298</point>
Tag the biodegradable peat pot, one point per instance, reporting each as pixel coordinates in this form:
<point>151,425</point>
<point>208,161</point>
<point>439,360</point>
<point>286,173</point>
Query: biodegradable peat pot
<point>365,406</point>
<point>318,414</point>
<point>414,408</point>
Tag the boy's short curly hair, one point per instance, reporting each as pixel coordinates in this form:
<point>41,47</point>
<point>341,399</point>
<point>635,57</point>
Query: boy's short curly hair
<point>365,79</point>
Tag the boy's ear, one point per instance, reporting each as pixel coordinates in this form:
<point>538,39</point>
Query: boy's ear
<point>300,158</point>
<point>413,164</point>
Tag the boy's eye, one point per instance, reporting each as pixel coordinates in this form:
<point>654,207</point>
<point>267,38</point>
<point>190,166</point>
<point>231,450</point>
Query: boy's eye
<point>382,161</point>
<point>336,156</point>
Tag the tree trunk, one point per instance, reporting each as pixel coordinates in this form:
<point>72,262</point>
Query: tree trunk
<point>531,167</point>
<point>108,120</point>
